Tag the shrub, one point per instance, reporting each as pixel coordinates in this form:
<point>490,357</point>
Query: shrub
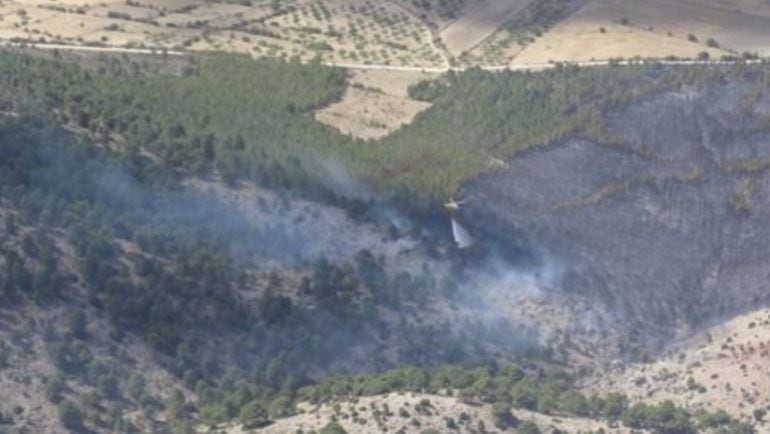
<point>253,415</point>
<point>574,403</point>
<point>108,386</point>
<point>55,387</point>
<point>78,325</point>
<point>280,407</point>
<point>333,428</point>
<point>524,394</point>
<point>528,427</point>
<point>504,419</point>
<point>70,415</point>
<point>427,90</point>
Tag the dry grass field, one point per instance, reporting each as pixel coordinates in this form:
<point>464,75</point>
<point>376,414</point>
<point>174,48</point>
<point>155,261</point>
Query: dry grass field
<point>375,103</point>
<point>658,28</point>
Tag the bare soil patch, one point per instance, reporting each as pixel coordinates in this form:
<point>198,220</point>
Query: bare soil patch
<point>375,104</point>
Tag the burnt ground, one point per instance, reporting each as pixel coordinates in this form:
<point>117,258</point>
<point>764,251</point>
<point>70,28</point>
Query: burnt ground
<point>668,224</point>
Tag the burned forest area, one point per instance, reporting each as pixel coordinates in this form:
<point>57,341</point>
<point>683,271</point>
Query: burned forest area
<point>184,248</point>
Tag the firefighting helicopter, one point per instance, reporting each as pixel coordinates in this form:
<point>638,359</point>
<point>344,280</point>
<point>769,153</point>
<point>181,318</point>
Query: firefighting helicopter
<point>453,205</point>
<point>462,237</point>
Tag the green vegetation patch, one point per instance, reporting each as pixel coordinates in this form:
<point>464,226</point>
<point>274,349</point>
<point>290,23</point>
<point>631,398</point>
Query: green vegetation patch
<point>248,118</point>
<point>510,388</point>
<point>253,118</point>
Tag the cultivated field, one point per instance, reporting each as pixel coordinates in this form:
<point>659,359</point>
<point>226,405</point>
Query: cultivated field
<point>341,31</point>
<point>426,33</point>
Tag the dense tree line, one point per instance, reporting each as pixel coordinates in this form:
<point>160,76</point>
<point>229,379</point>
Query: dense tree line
<point>508,386</point>
<point>252,118</point>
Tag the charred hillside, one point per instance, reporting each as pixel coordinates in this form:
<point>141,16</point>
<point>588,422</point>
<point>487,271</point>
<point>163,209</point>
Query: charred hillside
<point>662,215</point>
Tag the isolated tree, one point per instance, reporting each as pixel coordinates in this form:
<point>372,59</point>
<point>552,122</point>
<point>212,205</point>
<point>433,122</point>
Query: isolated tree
<point>574,402</point>
<point>70,415</point>
<point>504,419</point>
<point>274,309</point>
<point>177,406</point>
<point>136,385</point>
<point>524,394</point>
<point>78,325</point>
<point>636,416</point>
<point>107,386</point>
<point>55,387</point>
<point>614,405</point>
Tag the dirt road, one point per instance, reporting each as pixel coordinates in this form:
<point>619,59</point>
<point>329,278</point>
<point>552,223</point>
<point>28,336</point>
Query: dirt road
<point>511,67</point>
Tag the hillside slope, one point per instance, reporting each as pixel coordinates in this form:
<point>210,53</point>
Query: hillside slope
<point>193,248</point>
<point>660,212</point>
<point>723,367</point>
